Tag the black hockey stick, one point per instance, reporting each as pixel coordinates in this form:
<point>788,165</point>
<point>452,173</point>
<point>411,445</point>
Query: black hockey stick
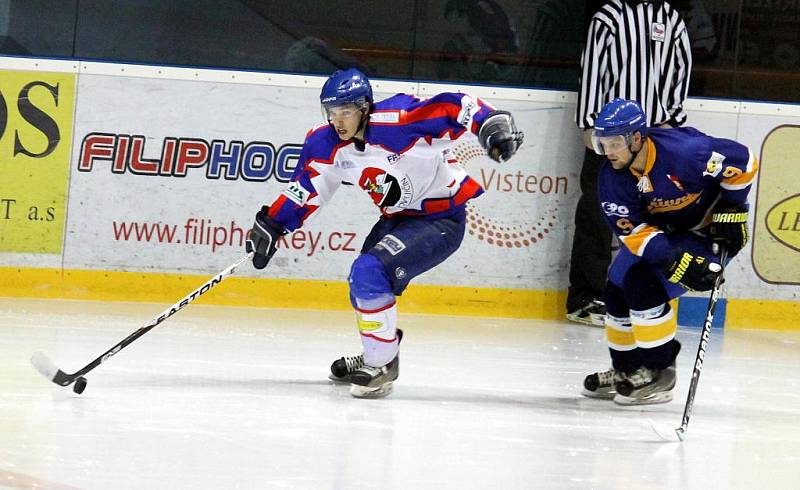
<point>679,434</point>
<point>44,365</point>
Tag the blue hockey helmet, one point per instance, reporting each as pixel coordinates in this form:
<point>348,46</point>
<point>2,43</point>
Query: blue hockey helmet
<point>345,87</point>
<point>616,124</point>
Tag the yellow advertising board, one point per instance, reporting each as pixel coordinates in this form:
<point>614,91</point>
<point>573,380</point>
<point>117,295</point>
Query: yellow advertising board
<point>776,237</point>
<point>36,114</point>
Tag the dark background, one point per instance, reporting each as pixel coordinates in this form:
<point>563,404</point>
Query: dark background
<point>746,49</point>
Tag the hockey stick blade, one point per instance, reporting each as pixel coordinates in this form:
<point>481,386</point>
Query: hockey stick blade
<point>667,434</point>
<point>45,366</point>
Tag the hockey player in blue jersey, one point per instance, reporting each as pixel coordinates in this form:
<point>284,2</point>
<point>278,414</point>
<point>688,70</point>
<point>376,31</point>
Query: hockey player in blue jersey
<point>672,196</point>
<point>398,151</point>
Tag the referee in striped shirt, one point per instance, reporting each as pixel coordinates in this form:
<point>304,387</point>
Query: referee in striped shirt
<point>639,50</point>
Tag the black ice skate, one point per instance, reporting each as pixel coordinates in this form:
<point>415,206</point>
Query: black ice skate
<point>602,384</point>
<point>342,368</point>
<point>592,313</point>
<point>646,387</point>
<point>374,382</point>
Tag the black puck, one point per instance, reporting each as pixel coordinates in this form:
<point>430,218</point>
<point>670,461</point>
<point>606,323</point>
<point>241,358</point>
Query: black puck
<point>80,385</point>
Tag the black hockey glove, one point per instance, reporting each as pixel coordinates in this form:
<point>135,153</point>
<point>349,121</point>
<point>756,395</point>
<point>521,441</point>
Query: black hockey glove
<point>263,239</point>
<point>499,136</point>
<point>729,226</point>
<point>693,272</point>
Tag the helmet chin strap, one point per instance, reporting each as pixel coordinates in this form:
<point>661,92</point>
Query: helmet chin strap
<point>361,126</point>
<point>634,154</point>
<point>364,118</point>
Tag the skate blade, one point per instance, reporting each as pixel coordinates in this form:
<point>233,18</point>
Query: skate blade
<point>598,396</point>
<point>376,392</point>
<point>654,399</point>
<point>339,381</point>
<point>597,320</point>
<point>577,319</point>
<point>591,320</point>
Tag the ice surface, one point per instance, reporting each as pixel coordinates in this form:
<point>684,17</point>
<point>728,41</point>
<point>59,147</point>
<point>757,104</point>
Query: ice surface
<point>222,398</point>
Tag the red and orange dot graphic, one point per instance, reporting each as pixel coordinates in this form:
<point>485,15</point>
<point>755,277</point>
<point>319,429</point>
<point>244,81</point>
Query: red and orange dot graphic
<point>487,230</point>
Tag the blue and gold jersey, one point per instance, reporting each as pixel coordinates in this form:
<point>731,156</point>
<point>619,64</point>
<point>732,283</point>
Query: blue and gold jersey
<point>686,174</point>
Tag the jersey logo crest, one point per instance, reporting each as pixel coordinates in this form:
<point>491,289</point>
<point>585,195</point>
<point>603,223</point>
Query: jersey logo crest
<point>385,189</point>
<point>661,205</point>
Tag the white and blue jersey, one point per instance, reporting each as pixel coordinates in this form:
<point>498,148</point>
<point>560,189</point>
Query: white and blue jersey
<point>404,163</point>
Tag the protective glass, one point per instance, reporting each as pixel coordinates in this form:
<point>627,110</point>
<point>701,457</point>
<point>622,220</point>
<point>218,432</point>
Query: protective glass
<point>605,145</point>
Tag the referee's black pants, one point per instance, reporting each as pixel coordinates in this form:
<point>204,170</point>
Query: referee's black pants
<point>591,246</point>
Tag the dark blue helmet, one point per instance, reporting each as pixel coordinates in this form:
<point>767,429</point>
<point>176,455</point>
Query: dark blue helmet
<point>615,126</point>
<point>620,117</point>
<point>346,87</point>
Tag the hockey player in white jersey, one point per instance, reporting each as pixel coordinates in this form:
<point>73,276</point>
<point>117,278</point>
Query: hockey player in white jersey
<point>396,150</point>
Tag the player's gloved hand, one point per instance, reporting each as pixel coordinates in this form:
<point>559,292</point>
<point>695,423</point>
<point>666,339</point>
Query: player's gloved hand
<point>692,271</point>
<point>499,136</point>
<point>729,226</point>
<point>263,239</point>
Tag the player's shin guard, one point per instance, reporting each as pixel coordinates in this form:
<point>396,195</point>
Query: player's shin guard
<point>378,331</point>
<point>381,367</point>
<point>381,358</point>
<point>622,344</point>
<point>655,330</point>
<point>653,382</point>
<point>619,333</point>
<point>376,310</point>
<point>376,314</point>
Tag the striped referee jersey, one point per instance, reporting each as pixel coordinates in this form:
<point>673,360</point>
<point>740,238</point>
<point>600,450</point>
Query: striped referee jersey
<point>636,50</point>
